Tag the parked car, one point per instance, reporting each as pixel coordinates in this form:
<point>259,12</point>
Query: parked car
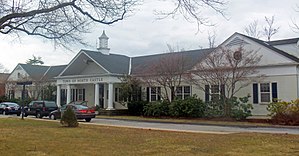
<point>40,108</point>
<point>7,108</point>
<point>81,111</point>
<point>84,103</point>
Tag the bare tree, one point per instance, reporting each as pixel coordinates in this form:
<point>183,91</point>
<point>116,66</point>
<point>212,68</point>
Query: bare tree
<point>65,20</point>
<point>3,69</point>
<point>167,72</point>
<point>192,10</point>
<point>212,39</point>
<point>172,48</point>
<point>269,29</point>
<point>295,26</point>
<point>253,30</point>
<point>228,69</point>
<point>60,20</point>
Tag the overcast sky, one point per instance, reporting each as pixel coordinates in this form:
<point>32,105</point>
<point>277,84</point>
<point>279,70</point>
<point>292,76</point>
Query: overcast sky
<point>142,34</point>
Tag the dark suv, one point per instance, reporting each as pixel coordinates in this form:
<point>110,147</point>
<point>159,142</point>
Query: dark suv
<point>40,108</point>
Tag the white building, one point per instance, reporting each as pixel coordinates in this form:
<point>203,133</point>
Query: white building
<point>94,76</point>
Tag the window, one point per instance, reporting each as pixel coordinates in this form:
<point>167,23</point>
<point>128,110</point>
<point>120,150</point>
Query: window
<point>215,92</point>
<point>265,92</point>
<point>117,95</point>
<point>11,94</point>
<point>78,95</point>
<point>81,94</point>
<point>155,93</point>
<point>183,92</point>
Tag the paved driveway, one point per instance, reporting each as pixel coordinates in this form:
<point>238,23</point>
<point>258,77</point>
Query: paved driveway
<point>193,127</point>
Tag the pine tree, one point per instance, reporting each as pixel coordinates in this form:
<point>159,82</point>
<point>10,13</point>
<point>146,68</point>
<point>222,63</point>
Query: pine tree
<point>69,118</point>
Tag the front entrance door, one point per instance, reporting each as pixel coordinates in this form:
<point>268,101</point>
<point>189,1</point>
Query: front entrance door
<point>101,96</point>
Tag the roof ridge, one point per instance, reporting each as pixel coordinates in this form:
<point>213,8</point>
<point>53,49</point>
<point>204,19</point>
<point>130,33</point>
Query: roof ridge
<point>194,50</point>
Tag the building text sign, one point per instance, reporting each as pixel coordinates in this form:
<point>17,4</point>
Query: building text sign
<point>82,80</point>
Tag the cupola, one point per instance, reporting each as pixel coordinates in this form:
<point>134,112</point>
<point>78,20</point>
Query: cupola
<point>103,45</point>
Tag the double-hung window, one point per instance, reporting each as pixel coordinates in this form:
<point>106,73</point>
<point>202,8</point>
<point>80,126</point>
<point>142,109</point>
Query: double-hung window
<point>155,93</point>
<point>215,92</point>
<point>182,92</point>
<point>265,92</point>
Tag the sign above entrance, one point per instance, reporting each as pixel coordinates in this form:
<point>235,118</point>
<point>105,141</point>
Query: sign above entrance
<point>82,80</point>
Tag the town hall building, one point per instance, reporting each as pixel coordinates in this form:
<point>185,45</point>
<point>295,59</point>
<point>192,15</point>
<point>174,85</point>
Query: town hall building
<point>96,76</point>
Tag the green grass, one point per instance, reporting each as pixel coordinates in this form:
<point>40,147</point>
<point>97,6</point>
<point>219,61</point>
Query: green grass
<point>31,137</point>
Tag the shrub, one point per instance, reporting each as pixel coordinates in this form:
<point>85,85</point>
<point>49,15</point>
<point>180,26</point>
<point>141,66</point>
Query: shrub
<point>286,113</point>
<point>214,109</point>
<point>156,109</point>
<point>238,108</point>
<point>241,109</point>
<point>69,118</point>
<point>136,107</point>
<point>190,107</point>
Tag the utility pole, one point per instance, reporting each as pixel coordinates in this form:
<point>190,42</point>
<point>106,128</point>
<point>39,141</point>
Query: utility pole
<point>23,94</point>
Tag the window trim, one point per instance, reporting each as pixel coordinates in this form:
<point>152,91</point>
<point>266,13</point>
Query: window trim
<point>183,94</point>
<point>157,95</point>
<point>259,93</point>
<point>216,93</point>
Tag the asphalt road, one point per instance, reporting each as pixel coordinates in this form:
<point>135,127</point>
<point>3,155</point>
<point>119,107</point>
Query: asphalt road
<point>193,127</point>
<point>185,127</point>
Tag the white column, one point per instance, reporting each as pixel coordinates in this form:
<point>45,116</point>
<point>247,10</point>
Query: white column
<point>110,97</point>
<point>68,96</point>
<point>97,95</point>
<point>58,96</point>
<point>105,96</point>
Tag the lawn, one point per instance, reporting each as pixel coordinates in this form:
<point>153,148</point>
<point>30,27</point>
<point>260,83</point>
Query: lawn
<point>31,137</point>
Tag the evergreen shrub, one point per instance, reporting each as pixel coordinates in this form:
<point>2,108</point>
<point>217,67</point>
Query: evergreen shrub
<point>156,109</point>
<point>69,118</point>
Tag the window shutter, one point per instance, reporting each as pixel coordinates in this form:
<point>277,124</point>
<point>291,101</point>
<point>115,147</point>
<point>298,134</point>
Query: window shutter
<point>171,92</point>
<point>207,93</point>
<point>83,94</point>
<point>274,92</point>
<point>255,93</point>
<point>147,94</point>
<point>159,93</point>
<point>139,94</point>
<point>222,90</point>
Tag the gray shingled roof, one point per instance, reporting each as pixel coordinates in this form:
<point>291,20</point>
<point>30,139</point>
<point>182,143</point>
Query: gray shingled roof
<point>34,71</point>
<point>285,41</point>
<point>143,63</point>
<point>116,64</point>
<point>264,43</point>
<point>52,72</point>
